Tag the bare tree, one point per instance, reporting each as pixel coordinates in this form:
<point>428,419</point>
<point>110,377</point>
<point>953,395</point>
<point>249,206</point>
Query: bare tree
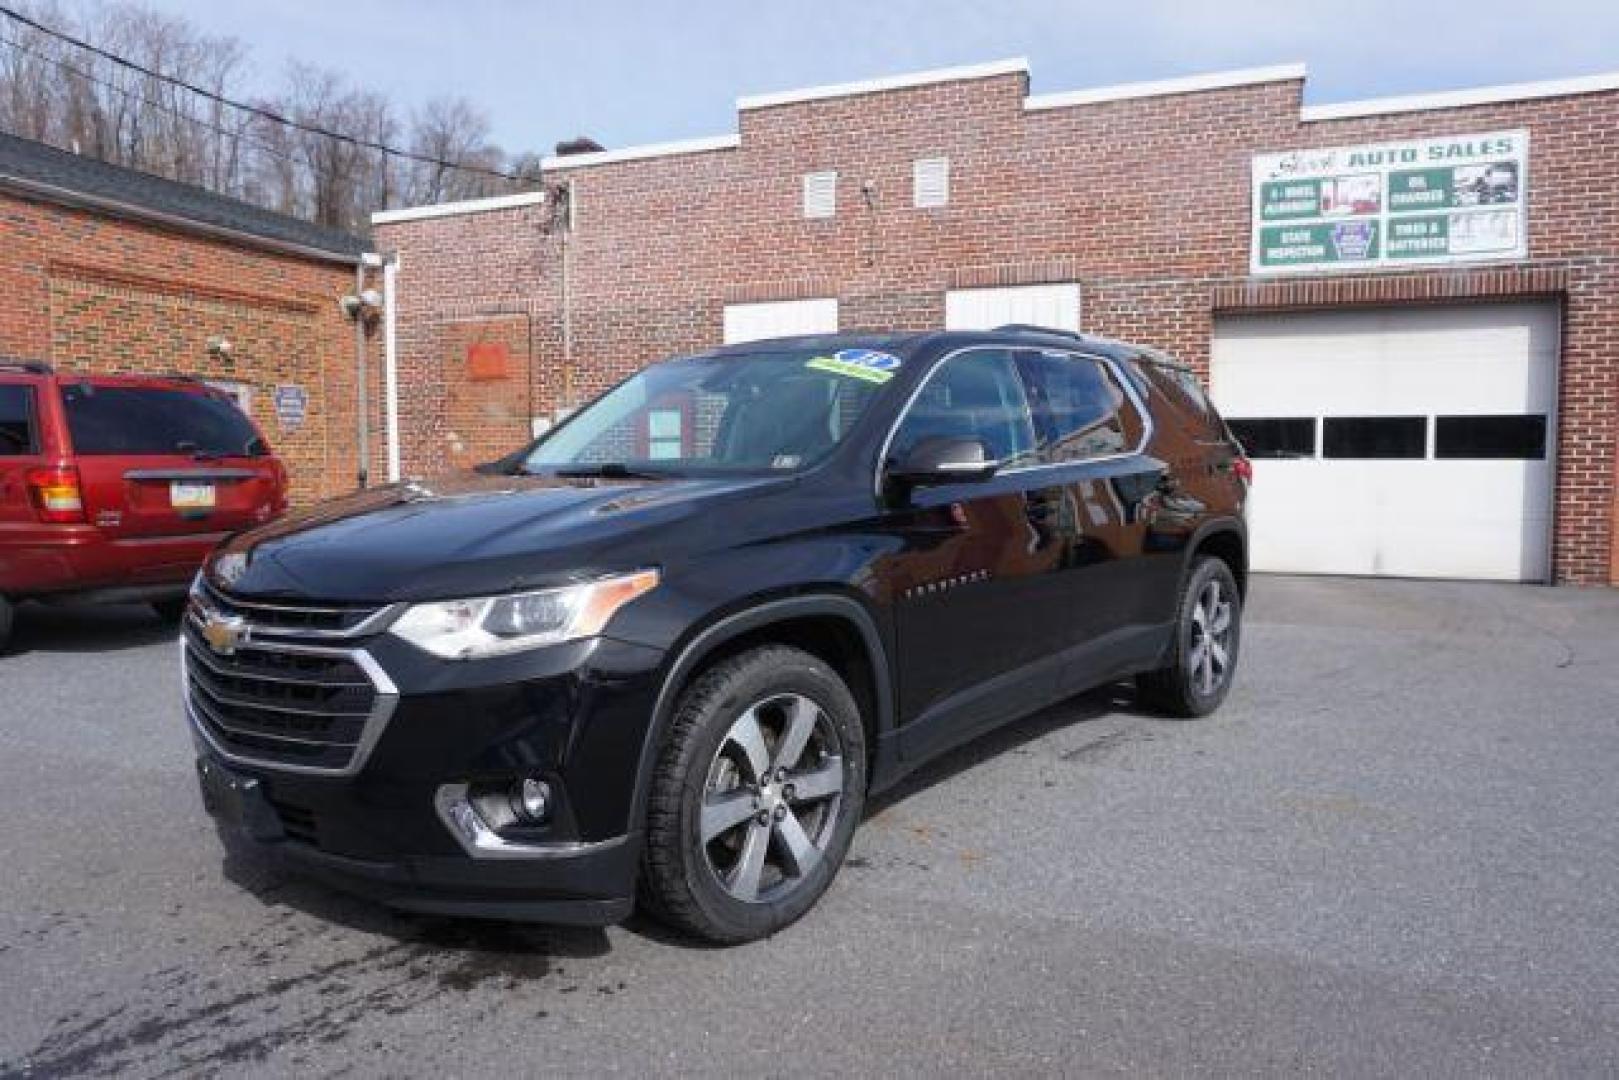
<point>28,103</point>
<point>55,92</point>
<point>451,129</point>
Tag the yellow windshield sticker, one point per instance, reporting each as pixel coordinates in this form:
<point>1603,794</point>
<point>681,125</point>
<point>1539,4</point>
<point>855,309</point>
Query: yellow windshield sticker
<point>867,364</point>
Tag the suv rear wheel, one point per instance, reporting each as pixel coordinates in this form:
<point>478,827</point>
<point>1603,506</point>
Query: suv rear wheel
<point>755,797</point>
<point>5,623</point>
<point>1203,653</point>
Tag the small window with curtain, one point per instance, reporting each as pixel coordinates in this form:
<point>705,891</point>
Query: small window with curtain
<point>1080,411</point>
<point>17,435</point>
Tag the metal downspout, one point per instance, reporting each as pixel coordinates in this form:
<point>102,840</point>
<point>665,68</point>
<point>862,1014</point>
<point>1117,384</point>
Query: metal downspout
<point>362,398</point>
<point>390,356</point>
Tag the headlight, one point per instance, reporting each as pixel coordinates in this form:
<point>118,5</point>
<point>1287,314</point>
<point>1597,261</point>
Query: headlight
<point>497,625</point>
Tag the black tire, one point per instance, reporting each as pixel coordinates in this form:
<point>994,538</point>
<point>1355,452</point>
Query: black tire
<point>1180,687</point>
<point>6,617</point>
<point>171,610</point>
<point>681,883</point>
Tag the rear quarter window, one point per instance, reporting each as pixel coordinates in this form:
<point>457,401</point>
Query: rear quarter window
<point>1080,410</point>
<point>156,420</point>
<point>19,433</point>
<point>1180,388</point>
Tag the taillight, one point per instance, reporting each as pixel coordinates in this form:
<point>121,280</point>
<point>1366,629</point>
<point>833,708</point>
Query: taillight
<point>57,496</point>
<point>1243,468</point>
<point>282,484</point>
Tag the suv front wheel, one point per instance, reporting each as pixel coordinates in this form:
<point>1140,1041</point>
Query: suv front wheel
<point>755,797</point>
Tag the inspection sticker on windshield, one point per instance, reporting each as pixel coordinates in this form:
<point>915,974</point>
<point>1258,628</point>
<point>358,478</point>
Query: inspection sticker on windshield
<point>867,364</point>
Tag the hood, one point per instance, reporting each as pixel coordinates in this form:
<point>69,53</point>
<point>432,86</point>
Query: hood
<point>469,535</point>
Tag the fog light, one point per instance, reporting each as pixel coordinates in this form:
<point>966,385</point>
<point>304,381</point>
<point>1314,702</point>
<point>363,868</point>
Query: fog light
<point>531,800</point>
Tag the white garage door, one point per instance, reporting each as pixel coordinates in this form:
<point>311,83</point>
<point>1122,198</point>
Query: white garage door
<point>1411,442</point>
<point>1056,306</point>
<point>779,318</point>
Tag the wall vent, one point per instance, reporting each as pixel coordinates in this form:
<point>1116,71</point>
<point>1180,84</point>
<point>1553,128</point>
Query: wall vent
<point>820,194</point>
<point>930,182</point>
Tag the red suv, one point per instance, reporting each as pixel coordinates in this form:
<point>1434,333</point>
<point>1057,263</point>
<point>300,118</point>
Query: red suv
<point>114,487</point>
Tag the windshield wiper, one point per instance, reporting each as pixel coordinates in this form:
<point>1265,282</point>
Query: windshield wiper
<point>611,470</point>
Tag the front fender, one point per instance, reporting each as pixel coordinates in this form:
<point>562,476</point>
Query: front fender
<point>747,617</point>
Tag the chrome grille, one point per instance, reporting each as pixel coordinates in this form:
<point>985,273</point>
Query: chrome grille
<point>283,697</point>
<point>319,622</point>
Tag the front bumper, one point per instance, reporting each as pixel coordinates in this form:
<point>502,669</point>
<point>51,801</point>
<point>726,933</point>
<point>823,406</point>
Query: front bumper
<point>576,884</point>
<point>575,715</point>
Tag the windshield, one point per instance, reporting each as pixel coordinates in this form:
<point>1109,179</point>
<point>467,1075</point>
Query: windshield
<point>768,411</point>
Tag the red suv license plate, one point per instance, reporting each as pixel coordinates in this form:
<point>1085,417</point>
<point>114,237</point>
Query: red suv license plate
<point>190,496</point>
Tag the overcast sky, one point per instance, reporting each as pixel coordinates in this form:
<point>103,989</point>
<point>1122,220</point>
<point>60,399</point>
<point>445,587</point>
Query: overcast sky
<point>635,72</point>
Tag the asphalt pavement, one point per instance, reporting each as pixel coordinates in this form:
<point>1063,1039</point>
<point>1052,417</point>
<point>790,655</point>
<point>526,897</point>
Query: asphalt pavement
<point>1393,852</point>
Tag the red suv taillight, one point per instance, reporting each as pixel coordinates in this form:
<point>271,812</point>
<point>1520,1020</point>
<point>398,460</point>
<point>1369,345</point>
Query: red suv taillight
<point>1243,468</point>
<point>282,484</point>
<point>58,499</point>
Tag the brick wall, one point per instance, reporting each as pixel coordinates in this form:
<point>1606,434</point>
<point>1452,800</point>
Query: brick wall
<point>451,282</point>
<point>1144,201</point>
<point>486,414</point>
<point>90,292</point>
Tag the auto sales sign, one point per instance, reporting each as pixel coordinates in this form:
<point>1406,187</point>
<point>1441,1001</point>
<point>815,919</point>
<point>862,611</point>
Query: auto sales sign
<point>1391,204</point>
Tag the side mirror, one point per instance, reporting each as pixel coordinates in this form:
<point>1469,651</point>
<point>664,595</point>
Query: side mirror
<point>943,459</point>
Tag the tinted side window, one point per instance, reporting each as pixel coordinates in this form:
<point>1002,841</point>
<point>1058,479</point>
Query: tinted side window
<point>17,435</point>
<point>976,395</point>
<point>142,420</point>
<point>1079,409</point>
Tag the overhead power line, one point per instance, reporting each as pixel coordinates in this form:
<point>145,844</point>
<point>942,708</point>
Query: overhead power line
<point>253,110</point>
<point>135,95</point>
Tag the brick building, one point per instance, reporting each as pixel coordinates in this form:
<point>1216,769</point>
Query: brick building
<point>1410,304</point>
<point>109,270</point>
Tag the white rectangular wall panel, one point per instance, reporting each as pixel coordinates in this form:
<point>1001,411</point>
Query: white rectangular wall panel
<point>1055,306</point>
<point>780,318</point>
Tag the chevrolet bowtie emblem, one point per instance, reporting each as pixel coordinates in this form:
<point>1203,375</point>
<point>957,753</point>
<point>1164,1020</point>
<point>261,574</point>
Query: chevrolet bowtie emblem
<point>223,633</point>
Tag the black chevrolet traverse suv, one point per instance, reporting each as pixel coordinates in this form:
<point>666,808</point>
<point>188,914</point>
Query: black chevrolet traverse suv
<point>668,652</point>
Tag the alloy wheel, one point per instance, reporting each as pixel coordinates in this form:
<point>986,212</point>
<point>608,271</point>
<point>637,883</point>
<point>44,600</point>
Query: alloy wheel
<point>772,797</point>
<point>1208,661</point>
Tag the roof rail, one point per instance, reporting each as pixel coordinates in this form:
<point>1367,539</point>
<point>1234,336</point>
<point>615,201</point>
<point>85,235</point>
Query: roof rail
<point>1162,359</point>
<point>32,367</point>
<point>1030,328</point>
